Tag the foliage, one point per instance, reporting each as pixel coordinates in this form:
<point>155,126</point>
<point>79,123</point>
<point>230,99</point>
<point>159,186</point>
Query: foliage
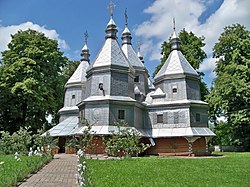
<point>191,47</point>
<point>230,93</point>
<point>231,170</point>
<point>13,171</point>
<point>85,141</point>
<point>31,81</point>
<point>23,140</point>
<point>84,174</point>
<point>19,141</point>
<point>125,142</point>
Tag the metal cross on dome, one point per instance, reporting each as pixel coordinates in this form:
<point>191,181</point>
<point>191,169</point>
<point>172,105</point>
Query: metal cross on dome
<point>139,45</point>
<point>111,8</point>
<point>174,23</point>
<point>86,37</point>
<point>126,17</point>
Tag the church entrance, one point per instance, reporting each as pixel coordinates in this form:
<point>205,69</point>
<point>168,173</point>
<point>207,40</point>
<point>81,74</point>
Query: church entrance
<point>61,144</point>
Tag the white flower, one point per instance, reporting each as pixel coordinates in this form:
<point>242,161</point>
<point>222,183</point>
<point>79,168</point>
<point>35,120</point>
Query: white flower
<point>30,148</point>
<point>38,149</point>
<point>30,153</point>
<point>16,154</point>
<point>1,163</point>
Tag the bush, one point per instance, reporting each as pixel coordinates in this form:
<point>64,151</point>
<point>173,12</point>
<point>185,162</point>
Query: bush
<point>124,143</point>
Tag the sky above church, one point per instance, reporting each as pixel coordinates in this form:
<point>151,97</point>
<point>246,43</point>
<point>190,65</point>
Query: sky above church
<point>150,21</point>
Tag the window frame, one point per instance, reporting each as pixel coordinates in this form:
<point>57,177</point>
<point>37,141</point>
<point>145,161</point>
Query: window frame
<point>121,114</point>
<point>137,78</point>
<point>159,118</point>
<point>198,117</point>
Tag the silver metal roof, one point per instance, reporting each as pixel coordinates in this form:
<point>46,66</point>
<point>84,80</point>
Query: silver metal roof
<point>177,132</point>
<point>111,54</point>
<point>103,130</point>
<point>153,102</point>
<point>80,73</point>
<point>150,85</point>
<point>131,55</point>
<point>176,63</point>
<point>65,127</point>
<point>69,108</point>
<point>158,92</point>
<point>108,97</point>
<point>137,90</point>
<point>126,30</point>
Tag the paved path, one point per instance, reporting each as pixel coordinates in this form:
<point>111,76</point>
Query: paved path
<point>60,172</point>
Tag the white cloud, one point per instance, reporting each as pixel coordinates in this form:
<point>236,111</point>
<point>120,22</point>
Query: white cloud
<point>7,31</point>
<point>160,27</point>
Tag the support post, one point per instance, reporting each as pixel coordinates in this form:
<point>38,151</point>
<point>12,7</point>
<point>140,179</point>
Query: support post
<point>191,140</point>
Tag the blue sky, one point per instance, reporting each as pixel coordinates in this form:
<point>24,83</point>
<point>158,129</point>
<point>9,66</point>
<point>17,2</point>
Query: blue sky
<point>150,21</point>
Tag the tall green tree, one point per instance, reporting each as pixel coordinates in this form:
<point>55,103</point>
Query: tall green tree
<point>31,81</point>
<point>230,93</point>
<point>191,47</point>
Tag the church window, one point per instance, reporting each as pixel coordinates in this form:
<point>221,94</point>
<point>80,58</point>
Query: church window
<point>121,114</point>
<point>174,90</point>
<point>73,96</point>
<point>160,118</point>
<point>137,79</point>
<point>198,117</point>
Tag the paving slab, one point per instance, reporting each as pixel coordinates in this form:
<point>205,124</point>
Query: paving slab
<point>60,172</point>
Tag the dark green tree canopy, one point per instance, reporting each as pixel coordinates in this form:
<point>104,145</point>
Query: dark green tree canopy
<point>31,80</point>
<point>230,94</point>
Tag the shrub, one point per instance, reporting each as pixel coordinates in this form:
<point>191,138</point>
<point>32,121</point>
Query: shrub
<point>125,142</point>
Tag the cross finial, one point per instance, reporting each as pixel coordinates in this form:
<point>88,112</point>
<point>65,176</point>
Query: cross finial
<point>139,45</point>
<point>86,37</point>
<point>174,23</point>
<point>126,17</point>
<point>111,8</point>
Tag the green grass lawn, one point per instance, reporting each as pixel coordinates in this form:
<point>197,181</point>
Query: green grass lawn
<point>233,169</point>
<point>12,171</point>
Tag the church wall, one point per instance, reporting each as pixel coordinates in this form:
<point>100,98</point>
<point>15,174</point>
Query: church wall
<point>97,79</point>
<point>64,116</point>
<point>119,84</point>
<point>193,89</point>
<point>129,113</point>
<point>73,95</point>
<point>198,116</point>
<point>143,82</point>
<point>169,146</point>
<point>97,113</point>
<point>131,92</point>
<point>139,117</point>
<point>199,147</point>
<point>171,118</point>
<point>168,85</point>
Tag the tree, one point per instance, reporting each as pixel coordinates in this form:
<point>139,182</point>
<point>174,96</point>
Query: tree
<point>191,47</point>
<point>230,93</point>
<point>31,81</point>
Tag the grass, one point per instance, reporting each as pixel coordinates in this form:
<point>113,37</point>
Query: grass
<point>233,169</point>
<point>12,171</point>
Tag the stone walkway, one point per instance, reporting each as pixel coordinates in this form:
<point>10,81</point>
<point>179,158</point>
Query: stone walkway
<point>60,172</point>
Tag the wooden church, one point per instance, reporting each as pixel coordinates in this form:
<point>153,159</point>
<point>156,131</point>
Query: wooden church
<point>168,113</point>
